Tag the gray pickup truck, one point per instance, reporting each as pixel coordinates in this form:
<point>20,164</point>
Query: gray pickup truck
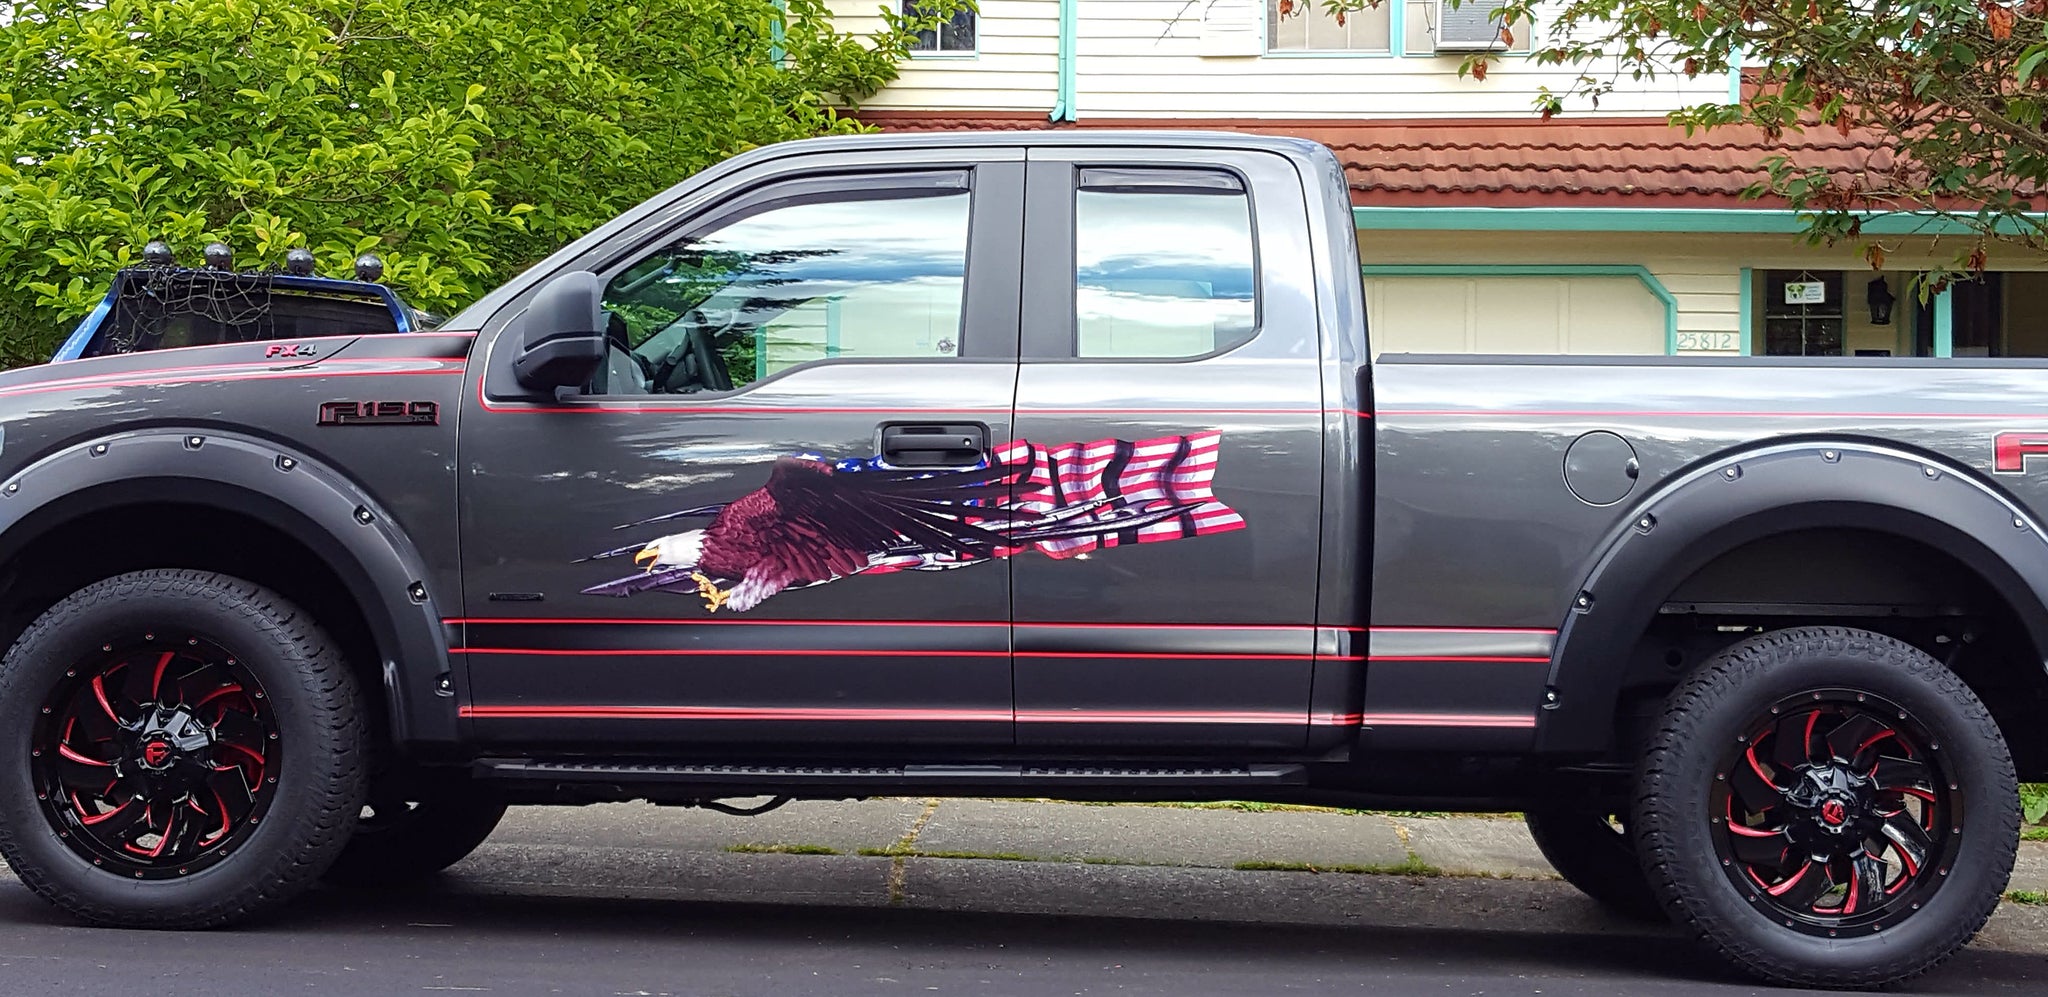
<point>1053,464</point>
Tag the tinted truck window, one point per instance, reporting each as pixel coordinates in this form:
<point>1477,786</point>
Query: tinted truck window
<point>1163,263</point>
<point>865,272</point>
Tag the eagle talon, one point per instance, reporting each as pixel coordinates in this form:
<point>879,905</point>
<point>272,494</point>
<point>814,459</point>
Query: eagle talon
<point>714,596</point>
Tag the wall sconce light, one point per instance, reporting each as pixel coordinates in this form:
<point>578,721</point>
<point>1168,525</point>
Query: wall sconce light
<point>1880,298</point>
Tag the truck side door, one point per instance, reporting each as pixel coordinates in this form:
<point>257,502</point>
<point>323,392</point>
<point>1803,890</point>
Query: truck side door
<point>1170,401</point>
<point>746,529</point>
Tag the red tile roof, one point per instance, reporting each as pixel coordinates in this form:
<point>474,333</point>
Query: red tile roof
<point>1513,162</point>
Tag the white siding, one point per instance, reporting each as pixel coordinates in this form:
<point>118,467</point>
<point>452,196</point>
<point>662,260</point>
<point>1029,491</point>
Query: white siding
<point>1015,67</point>
<point>1145,59</point>
<point>1142,58</point>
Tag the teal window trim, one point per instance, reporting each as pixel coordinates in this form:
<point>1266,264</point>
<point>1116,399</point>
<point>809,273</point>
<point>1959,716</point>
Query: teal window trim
<point>1944,324</point>
<point>776,28</point>
<point>1735,76</point>
<point>1744,325</point>
<point>1397,29</point>
<point>1063,108</point>
<point>1740,220</point>
<point>1650,282</point>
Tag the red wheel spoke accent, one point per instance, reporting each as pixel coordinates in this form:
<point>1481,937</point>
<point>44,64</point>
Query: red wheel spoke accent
<point>245,752</point>
<point>118,823</point>
<point>162,839</point>
<point>1765,849</point>
<point>238,728</point>
<point>226,821</point>
<point>232,782</point>
<point>156,679</point>
<point>68,752</point>
<point>1909,840</point>
<point>1866,886</point>
<point>1800,890</point>
<point>99,692</point>
<point>1757,791</point>
<point>226,690</point>
<point>1792,742</point>
<point>1850,737</point>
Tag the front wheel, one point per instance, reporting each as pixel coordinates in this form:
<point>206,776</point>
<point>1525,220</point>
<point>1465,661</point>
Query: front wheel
<point>178,749</point>
<point>1828,807</point>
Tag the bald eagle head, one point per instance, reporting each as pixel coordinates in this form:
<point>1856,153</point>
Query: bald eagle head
<point>677,551</point>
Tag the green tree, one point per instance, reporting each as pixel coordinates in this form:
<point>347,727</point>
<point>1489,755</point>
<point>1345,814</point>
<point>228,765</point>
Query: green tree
<point>460,140</point>
<point>1954,89</point>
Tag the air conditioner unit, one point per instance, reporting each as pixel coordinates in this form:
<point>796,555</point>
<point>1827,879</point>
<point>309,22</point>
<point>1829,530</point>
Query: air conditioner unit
<point>1469,27</point>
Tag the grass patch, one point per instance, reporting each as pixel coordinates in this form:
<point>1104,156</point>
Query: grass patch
<point>2034,834</point>
<point>1102,861</point>
<point>900,852</point>
<point>2029,897</point>
<point>749,848</point>
<point>1411,866</point>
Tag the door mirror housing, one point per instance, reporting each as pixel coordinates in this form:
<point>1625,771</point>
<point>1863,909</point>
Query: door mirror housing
<point>562,341</point>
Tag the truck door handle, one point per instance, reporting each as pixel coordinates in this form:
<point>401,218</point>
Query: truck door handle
<point>934,445</point>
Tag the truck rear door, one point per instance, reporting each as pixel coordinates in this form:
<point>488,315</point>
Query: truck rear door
<point>1169,405</point>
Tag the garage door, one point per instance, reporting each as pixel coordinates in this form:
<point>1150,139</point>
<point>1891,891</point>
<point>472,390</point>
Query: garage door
<point>1482,314</point>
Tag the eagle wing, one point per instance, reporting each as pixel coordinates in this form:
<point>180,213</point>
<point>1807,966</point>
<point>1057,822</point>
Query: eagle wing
<point>825,523</point>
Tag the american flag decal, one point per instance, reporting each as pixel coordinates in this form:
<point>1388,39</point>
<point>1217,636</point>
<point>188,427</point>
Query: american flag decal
<point>1110,478</point>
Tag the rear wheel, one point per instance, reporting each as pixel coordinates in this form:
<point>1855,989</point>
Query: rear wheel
<point>1593,850</point>
<point>178,749</point>
<point>407,835</point>
<point>1828,807</point>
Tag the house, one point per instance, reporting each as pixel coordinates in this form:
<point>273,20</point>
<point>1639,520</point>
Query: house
<point>1483,228</point>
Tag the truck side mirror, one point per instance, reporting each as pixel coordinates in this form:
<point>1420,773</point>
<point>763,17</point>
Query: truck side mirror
<point>562,342</point>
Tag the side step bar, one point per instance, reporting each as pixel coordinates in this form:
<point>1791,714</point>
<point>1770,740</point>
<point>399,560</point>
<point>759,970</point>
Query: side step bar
<point>882,778</point>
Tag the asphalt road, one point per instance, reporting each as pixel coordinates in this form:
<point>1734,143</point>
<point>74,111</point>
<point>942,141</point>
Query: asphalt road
<point>610,913</point>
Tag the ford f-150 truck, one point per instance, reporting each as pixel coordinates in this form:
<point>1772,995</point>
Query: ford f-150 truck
<point>1052,464</point>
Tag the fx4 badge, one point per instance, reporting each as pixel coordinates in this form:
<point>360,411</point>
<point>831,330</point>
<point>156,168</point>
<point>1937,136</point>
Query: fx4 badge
<point>276,350</point>
<point>380,414</point>
<point>2009,451</point>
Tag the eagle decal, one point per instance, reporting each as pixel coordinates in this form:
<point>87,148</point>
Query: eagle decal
<point>818,520</point>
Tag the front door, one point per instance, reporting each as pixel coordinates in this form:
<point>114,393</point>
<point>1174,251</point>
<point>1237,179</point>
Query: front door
<point>747,530</point>
<point>1170,403</point>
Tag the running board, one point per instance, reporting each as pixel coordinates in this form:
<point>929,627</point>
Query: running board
<point>1039,779</point>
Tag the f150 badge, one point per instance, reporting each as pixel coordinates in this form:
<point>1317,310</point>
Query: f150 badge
<point>818,520</point>
<point>2009,451</point>
<point>380,414</point>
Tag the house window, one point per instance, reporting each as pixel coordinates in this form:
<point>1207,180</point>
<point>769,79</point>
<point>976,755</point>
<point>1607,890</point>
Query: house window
<point>1306,26</point>
<point>1803,314</point>
<point>954,36</point>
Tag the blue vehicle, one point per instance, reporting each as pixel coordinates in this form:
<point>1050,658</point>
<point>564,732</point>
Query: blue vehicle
<point>160,305</point>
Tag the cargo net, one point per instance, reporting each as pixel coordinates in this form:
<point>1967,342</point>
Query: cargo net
<point>167,307</point>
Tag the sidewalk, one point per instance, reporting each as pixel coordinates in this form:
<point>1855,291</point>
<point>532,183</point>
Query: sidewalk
<point>1131,835</point>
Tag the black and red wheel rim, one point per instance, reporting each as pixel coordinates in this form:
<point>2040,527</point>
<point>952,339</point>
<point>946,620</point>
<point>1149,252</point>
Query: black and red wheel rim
<point>1835,813</point>
<point>156,756</point>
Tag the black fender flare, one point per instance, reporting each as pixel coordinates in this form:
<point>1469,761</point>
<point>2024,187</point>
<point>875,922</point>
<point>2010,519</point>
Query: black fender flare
<point>1746,496</point>
<point>316,505</point>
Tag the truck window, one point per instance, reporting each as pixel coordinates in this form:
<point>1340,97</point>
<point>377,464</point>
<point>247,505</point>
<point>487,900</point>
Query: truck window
<point>170,309</point>
<point>857,270</point>
<point>1163,263</point>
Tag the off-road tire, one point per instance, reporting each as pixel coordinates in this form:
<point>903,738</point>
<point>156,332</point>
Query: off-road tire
<point>312,695</point>
<point>1594,856</point>
<point>1708,711</point>
<point>440,828</point>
